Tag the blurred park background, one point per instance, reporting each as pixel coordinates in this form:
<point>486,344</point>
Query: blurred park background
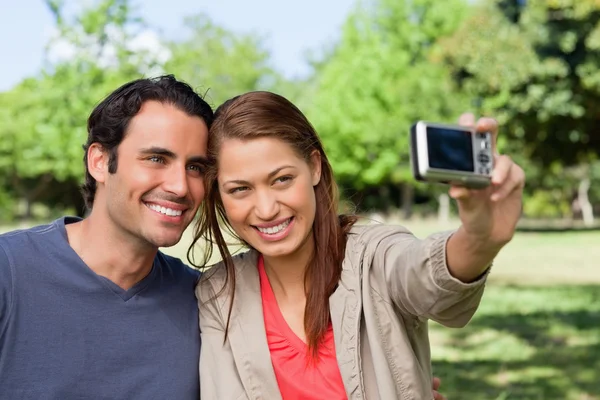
<point>363,80</point>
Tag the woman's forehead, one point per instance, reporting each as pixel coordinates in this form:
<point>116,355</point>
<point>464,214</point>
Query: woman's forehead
<point>255,157</point>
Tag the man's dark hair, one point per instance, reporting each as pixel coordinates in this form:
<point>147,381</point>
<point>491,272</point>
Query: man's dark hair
<point>108,122</point>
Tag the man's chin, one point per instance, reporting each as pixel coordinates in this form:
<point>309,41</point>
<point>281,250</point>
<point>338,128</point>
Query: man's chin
<point>166,241</point>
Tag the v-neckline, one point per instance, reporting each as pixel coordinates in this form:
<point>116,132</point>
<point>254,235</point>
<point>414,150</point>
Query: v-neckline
<point>289,334</point>
<point>127,294</point>
<point>124,294</point>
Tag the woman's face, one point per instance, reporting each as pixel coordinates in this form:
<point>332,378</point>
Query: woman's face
<point>268,194</point>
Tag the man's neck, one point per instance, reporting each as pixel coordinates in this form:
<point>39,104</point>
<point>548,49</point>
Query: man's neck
<point>110,252</point>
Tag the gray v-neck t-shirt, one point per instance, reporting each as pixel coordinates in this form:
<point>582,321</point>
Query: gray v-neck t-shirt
<point>68,333</point>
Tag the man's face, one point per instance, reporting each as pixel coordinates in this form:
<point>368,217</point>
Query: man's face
<point>158,186</point>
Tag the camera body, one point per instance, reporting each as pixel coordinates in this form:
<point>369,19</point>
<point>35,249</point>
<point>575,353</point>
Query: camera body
<point>451,154</point>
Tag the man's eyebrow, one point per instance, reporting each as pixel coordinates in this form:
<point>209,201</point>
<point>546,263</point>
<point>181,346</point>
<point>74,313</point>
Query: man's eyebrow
<point>159,151</point>
<point>199,160</point>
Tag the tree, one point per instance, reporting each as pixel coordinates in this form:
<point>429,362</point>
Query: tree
<point>220,63</point>
<point>380,79</point>
<point>534,66</point>
<point>43,124</point>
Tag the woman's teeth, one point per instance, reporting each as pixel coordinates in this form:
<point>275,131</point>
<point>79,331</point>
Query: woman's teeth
<point>275,229</point>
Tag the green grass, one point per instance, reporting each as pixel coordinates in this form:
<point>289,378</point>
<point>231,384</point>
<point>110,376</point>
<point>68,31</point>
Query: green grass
<point>536,335</point>
<point>525,342</point>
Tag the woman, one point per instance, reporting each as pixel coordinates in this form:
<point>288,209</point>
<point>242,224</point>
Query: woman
<point>321,307</point>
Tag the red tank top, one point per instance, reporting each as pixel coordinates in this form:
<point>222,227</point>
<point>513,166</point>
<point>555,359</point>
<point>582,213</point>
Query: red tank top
<point>298,379</point>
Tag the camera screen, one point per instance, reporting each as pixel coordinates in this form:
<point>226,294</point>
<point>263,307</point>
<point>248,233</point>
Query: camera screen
<point>450,149</point>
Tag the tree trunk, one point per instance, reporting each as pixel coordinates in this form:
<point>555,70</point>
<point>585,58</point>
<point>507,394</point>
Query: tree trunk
<point>30,194</point>
<point>587,210</point>
<point>384,199</point>
<point>28,208</point>
<point>443,208</point>
<point>407,200</point>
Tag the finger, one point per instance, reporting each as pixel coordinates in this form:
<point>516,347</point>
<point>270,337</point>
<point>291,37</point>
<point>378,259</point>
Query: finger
<point>515,181</point>
<point>467,199</point>
<point>502,167</point>
<point>467,119</point>
<point>489,125</point>
<point>438,396</point>
<point>436,383</point>
<point>459,193</point>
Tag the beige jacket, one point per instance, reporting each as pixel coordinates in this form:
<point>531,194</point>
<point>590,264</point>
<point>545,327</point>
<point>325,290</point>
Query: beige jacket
<point>391,284</point>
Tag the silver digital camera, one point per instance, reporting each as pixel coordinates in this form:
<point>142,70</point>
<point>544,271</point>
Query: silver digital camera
<point>451,154</point>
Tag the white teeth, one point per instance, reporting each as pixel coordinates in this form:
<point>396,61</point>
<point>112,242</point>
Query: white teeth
<point>275,229</point>
<point>164,210</point>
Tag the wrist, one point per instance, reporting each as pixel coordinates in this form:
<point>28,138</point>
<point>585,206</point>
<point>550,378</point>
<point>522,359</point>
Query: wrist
<point>480,243</point>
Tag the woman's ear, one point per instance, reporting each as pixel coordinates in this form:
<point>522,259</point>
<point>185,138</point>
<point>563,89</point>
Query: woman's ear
<point>97,162</point>
<point>315,161</point>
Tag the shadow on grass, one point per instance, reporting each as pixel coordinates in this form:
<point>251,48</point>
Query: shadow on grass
<point>527,343</point>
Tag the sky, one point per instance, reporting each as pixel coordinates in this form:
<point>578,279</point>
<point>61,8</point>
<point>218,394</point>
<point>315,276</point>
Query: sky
<point>291,28</point>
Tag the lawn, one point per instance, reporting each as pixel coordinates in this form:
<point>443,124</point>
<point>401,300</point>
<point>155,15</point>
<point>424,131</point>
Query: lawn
<point>536,335</point>
<point>526,342</point>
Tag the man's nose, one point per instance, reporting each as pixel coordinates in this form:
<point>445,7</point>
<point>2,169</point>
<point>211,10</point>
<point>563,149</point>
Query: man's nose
<point>176,181</point>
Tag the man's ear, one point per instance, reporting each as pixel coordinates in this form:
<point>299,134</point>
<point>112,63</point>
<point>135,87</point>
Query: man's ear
<point>97,162</point>
<point>315,161</point>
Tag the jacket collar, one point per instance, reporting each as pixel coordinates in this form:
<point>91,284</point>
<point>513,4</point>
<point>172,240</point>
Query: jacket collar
<point>247,335</point>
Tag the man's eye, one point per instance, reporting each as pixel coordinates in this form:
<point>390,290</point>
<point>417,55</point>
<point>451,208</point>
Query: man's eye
<point>196,167</point>
<point>157,159</point>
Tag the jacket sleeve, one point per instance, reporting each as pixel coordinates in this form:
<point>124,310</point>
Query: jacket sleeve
<point>417,276</point>
<point>216,360</point>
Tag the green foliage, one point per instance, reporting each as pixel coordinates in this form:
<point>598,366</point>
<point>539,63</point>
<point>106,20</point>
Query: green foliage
<point>219,62</point>
<point>43,119</point>
<point>379,80</point>
<point>43,122</point>
<point>546,204</point>
<point>534,66</point>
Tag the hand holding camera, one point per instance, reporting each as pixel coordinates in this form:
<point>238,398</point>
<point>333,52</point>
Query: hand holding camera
<point>487,186</point>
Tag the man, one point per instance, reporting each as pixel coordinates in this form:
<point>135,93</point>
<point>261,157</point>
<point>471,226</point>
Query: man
<point>90,309</point>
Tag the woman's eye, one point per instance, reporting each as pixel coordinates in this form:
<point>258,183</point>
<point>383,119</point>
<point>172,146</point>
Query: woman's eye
<point>284,179</point>
<point>237,189</point>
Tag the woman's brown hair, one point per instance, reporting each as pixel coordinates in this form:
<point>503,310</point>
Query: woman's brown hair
<point>265,114</point>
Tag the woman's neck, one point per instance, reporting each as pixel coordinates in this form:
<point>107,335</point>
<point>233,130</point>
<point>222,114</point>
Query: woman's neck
<point>287,273</point>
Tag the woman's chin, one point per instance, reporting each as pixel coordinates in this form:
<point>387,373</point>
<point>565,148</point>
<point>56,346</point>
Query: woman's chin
<point>275,250</point>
